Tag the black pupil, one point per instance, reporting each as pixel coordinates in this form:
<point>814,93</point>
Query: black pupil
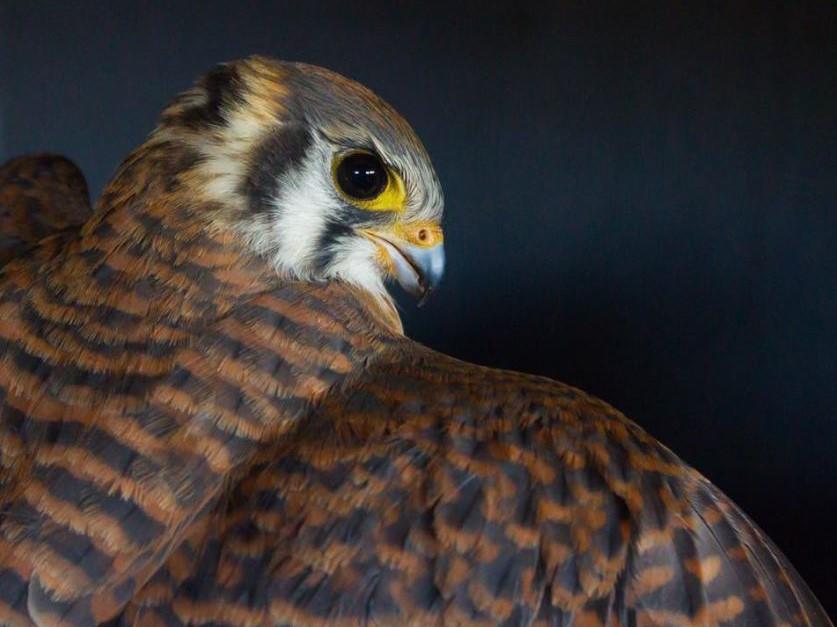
<point>361,176</point>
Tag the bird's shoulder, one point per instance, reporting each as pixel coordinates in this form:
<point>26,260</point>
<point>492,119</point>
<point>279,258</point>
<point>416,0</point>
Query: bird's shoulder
<point>432,491</point>
<point>119,430</point>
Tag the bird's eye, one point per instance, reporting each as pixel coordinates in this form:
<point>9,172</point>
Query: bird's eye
<point>361,175</point>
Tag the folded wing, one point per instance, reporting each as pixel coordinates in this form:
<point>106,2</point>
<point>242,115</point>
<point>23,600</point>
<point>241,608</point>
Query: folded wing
<point>436,492</point>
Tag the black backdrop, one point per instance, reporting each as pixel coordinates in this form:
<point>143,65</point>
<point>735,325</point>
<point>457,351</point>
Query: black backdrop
<point>641,197</point>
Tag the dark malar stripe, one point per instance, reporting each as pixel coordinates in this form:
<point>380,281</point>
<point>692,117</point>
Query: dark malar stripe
<point>334,231</point>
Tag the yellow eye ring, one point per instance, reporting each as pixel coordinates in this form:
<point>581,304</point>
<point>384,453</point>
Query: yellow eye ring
<point>365,181</point>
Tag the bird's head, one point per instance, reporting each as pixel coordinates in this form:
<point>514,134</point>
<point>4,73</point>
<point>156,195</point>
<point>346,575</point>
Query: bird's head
<point>314,172</point>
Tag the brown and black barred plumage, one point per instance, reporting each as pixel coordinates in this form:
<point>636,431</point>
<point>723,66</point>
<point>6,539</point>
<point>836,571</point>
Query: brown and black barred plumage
<point>39,196</point>
<point>210,413</point>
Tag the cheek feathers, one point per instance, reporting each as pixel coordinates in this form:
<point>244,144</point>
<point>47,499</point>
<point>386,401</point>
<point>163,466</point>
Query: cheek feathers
<point>298,219</point>
<point>356,260</point>
<point>301,211</point>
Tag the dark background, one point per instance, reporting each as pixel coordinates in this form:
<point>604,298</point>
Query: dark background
<point>641,197</point>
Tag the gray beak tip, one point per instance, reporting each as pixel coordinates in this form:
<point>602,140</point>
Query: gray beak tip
<point>418,270</point>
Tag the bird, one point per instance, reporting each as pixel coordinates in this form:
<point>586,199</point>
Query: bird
<point>211,412</point>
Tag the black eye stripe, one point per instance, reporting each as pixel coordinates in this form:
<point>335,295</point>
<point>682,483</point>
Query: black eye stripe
<point>361,175</point>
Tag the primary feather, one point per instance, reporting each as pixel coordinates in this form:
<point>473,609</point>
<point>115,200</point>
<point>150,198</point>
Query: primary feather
<point>206,420</point>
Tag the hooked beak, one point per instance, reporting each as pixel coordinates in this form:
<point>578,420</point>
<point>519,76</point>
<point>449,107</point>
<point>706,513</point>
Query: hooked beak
<point>414,256</point>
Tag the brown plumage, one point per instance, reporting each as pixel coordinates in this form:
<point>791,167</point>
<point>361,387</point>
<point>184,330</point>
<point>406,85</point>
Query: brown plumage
<point>201,424</point>
<point>39,195</point>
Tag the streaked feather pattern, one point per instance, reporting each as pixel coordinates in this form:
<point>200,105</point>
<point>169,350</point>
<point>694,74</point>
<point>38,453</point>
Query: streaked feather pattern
<point>142,363</point>
<point>434,492</point>
<point>187,437</point>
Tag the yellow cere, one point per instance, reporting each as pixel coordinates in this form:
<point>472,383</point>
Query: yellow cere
<point>423,234</point>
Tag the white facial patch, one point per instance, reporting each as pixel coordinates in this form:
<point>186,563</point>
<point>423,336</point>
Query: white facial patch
<point>355,262</point>
<point>306,229</point>
<point>300,213</point>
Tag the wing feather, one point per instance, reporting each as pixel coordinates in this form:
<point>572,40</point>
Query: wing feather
<point>434,492</point>
<point>104,475</point>
<point>40,195</point>
<point>427,491</point>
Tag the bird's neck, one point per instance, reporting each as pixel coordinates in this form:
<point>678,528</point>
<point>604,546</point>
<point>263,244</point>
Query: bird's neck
<point>162,246</point>
<point>158,262</point>
<point>156,249</point>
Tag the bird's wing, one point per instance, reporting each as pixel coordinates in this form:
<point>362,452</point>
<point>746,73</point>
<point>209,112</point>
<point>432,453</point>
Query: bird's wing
<point>437,492</point>
<point>40,195</point>
<point>116,439</point>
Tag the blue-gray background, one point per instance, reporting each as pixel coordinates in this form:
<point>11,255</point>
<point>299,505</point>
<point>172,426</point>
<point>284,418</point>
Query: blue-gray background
<point>641,197</point>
